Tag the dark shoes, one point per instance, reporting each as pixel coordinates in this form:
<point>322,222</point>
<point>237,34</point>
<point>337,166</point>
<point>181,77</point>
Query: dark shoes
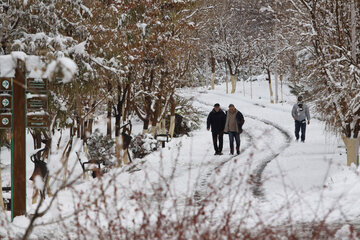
<point>237,152</point>
<point>218,153</point>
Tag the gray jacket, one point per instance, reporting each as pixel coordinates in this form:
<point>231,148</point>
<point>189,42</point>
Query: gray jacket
<point>300,114</point>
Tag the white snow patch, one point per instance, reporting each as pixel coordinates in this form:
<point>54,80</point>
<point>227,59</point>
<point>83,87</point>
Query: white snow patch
<point>39,182</point>
<point>67,66</point>
<point>142,27</point>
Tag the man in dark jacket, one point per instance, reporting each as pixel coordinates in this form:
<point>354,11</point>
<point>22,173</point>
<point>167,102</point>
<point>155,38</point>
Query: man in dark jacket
<point>216,120</point>
<point>233,126</point>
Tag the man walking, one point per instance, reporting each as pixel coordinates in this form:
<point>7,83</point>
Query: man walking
<point>216,119</point>
<point>300,113</point>
<point>233,126</point>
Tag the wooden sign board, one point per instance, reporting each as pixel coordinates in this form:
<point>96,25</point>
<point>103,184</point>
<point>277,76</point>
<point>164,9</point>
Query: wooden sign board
<point>5,102</point>
<point>37,103</point>
<point>37,121</point>
<point>5,84</point>
<point>5,121</point>
<point>37,84</point>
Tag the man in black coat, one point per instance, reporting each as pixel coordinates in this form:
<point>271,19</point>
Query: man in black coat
<point>216,120</point>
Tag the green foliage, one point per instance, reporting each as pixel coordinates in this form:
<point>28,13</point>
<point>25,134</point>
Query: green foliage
<point>100,147</point>
<point>190,116</point>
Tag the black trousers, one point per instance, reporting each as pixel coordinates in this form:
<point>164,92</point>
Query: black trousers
<point>300,125</point>
<point>215,137</point>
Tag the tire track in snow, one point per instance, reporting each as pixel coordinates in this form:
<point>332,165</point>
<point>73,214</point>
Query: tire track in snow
<point>257,182</point>
<point>257,188</point>
<point>198,195</point>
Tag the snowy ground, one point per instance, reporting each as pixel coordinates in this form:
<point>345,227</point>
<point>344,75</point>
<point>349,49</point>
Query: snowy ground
<point>275,180</point>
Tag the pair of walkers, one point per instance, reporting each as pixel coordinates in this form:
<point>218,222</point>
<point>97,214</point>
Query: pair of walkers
<point>230,122</point>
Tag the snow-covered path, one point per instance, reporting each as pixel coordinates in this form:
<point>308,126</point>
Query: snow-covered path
<point>311,177</point>
<point>274,181</point>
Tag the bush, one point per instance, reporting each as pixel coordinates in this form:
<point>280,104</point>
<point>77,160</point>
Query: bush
<point>100,147</point>
<point>187,117</point>
<point>143,145</point>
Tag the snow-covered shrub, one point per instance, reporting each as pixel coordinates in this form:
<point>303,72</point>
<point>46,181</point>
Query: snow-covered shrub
<point>187,117</point>
<point>142,145</point>
<point>100,147</point>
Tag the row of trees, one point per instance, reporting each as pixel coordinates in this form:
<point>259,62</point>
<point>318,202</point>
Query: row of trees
<point>313,43</point>
<point>329,44</point>
<point>243,38</point>
<point>131,55</point>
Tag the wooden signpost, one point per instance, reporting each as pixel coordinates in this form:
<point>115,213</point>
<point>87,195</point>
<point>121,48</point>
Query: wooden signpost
<point>19,112</point>
<point>18,166</point>
<point>36,103</point>
<point>38,121</point>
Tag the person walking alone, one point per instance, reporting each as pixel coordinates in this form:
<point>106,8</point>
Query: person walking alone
<point>216,119</point>
<point>233,126</point>
<point>300,113</point>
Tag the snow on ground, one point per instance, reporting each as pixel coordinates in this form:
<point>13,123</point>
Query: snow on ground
<point>274,179</point>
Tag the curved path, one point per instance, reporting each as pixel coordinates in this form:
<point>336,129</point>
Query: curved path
<point>257,181</point>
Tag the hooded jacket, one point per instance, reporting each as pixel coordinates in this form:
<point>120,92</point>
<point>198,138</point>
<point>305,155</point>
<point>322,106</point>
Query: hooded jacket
<point>300,114</point>
<point>216,120</point>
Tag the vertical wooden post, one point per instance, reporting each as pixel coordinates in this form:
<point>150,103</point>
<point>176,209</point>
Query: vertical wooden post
<point>18,191</point>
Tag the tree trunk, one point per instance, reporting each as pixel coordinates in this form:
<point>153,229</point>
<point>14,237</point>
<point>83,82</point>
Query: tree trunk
<point>82,124</point>
<point>270,87</point>
<point>276,87</point>
<point>212,70</point>
<point>227,84</point>
<point>244,86</point>
<point>353,31</point>
<point>146,126</point>
<point>118,147</point>
<point>125,157</point>
<point>226,79</point>
<point>36,134</point>
<point>108,129</point>
<point>118,143</point>
<point>172,126</point>
<point>78,133</point>
<point>90,128</point>
<point>251,90</point>
<point>163,126</point>
<point>281,87</point>
<point>65,159</point>
<point>352,149</point>
<point>212,81</point>
<point>172,117</point>
<point>233,83</point>
<point>154,126</point>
